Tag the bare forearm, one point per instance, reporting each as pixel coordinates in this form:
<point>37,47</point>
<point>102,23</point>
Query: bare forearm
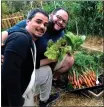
<point>67,64</point>
<point>63,69</point>
<point>45,62</point>
<point>4,36</point>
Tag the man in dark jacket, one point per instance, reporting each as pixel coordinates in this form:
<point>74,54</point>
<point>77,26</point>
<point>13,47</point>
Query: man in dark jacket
<point>18,62</point>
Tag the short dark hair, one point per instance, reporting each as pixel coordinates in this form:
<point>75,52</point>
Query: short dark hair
<point>33,12</point>
<point>57,9</point>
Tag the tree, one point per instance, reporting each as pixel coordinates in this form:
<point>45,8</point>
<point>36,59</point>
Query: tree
<point>4,8</point>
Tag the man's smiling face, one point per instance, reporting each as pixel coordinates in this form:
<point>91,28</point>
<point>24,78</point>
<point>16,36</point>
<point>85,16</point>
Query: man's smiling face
<point>37,26</point>
<point>60,19</point>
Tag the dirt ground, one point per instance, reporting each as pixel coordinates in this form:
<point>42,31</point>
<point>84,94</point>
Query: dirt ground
<point>73,99</point>
<point>68,99</point>
<point>94,43</point>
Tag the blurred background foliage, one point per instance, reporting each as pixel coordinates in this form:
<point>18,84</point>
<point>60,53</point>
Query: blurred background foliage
<point>86,17</point>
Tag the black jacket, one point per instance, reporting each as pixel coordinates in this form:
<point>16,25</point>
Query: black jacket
<point>17,68</point>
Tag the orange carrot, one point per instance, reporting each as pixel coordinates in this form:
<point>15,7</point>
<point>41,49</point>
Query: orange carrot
<point>74,78</point>
<point>74,86</point>
<point>80,80</point>
<point>84,80</point>
<point>87,83</point>
<point>93,73</point>
<point>78,84</point>
<point>89,77</point>
<point>92,78</point>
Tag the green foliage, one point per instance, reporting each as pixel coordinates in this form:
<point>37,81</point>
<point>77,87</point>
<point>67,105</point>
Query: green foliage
<point>48,6</point>
<point>66,45</point>
<point>57,50</point>
<point>18,5</point>
<point>4,9</point>
<point>75,40</point>
<point>85,17</point>
<point>52,52</point>
<point>84,61</point>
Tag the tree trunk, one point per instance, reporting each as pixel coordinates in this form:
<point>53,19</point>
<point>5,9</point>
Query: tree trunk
<point>31,4</point>
<point>55,4</point>
<point>41,2</point>
<point>76,26</point>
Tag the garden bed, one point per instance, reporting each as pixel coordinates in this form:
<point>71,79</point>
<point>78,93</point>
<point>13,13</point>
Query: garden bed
<point>84,98</point>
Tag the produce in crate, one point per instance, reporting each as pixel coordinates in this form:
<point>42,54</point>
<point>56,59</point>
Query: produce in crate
<point>86,79</point>
<point>84,73</point>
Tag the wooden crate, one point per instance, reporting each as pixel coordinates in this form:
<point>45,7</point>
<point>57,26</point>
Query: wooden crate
<point>8,21</point>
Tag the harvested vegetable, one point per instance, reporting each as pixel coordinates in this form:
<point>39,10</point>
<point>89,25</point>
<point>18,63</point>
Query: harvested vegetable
<point>57,50</point>
<point>84,72</point>
<point>75,40</point>
<point>86,79</point>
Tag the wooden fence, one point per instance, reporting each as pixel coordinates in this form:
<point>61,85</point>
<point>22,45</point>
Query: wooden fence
<point>8,21</point>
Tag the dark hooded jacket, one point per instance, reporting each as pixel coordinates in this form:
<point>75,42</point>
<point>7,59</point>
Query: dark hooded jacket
<point>17,67</point>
